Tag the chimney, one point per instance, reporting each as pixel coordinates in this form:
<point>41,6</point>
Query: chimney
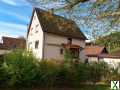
<point>51,11</point>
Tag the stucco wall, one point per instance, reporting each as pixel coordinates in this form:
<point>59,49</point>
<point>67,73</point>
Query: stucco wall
<point>35,34</point>
<point>53,45</point>
<point>112,61</point>
<point>92,59</point>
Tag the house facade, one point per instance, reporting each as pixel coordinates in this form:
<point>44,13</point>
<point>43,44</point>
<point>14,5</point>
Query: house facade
<point>99,53</point>
<point>93,52</point>
<point>50,35</point>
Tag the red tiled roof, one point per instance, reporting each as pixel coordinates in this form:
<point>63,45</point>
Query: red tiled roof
<point>95,50</point>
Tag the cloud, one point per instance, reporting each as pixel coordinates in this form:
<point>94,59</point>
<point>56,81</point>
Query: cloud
<point>15,14</point>
<point>15,2</point>
<point>12,29</point>
<point>10,2</point>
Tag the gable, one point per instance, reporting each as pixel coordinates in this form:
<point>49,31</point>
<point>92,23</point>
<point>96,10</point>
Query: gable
<point>54,24</point>
<point>95,50</point>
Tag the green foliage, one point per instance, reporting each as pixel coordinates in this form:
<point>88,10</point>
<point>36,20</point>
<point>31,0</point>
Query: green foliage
<point>111,41</point>
<point>21,68</point>
<point>47,73</point>
<point>68,57</point>
<point>98,71</point>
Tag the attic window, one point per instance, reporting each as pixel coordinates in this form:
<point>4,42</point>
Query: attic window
<point>36,44</point>
<point>37,25</point>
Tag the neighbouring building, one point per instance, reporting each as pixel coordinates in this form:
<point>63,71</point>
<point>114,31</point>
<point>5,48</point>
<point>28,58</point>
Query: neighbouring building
<point>14,43</point>
<point>100,53</point>
<point>93,52</point>
<point>10,43</point>
<point>49,35</point>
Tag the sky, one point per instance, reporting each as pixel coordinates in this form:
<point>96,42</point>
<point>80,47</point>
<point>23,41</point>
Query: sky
<point>14,17</point>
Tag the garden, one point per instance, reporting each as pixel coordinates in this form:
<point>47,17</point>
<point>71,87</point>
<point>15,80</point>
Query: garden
<point>20,69</point>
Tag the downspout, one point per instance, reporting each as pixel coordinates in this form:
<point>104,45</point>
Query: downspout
<point>43,47</point>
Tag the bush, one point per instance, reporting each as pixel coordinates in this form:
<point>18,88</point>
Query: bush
<point>21,68</point>
<point>47,73</point>
<point>98,71</point>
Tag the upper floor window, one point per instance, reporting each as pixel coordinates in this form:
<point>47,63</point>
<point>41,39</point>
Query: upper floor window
<point>61,51</point>
<point>36,44</point>
<point>69,40</point>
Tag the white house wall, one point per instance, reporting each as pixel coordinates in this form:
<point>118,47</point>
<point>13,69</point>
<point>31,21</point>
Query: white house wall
<point>53,45</point>
<point>35,34</point>
<point>112,61</point>
<point>92,59</point>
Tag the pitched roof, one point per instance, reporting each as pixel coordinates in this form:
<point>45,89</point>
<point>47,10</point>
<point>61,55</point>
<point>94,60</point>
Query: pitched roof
<point>95,50</point>
<point>55,24</point>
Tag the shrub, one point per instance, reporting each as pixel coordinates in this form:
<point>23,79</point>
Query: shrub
<point>21,68</point>
<point>3,75</point>
<point>68,57</point>
<point>66,75</point>
<point>98,71</point>
<point>47,73</point>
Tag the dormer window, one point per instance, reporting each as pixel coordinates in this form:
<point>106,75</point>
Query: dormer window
<point>69,40</point>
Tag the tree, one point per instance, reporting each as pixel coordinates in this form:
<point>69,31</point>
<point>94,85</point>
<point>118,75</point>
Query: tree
<point>95,17</point>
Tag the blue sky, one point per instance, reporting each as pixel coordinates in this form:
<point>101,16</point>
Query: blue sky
<point>14,17</point>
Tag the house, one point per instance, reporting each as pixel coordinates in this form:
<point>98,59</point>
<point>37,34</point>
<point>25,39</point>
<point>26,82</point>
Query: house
<point>100,53</point>
<point>14,43</point>
<point>112,60</point>
<point>93,52</point>
<point>49,35</point>
<point>9,43</point>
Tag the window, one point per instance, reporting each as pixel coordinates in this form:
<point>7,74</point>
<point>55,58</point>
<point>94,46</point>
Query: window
<point>61,51</point>
<point>34,17</point>
<point>75,52</point>
<point>36,44</point>
<point>29,45</point>
<point>37,25</point>
<point>36,30</point>
<point>69,40</point>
